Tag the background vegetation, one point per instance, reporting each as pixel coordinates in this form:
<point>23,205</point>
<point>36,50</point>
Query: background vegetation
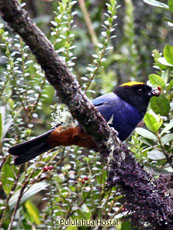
<point>103,45</point>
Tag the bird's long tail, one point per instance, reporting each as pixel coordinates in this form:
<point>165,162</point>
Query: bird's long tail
<point>55,137</point>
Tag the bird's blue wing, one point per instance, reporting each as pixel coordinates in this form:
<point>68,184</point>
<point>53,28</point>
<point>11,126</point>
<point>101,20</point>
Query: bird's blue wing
<point>105,99</point>
<point>107,104</point>
<point>123,117</point>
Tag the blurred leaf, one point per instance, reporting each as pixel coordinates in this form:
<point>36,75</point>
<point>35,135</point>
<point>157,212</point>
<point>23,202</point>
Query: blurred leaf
<point>164,171</point>
<point>156,155</point>
<point>126,226</point>
<point>86,211</point>
<point>108,81</point>
<point>6,127</point>
<point>157,80</point>
<point>163,61</point>
<point>156,3</point>
<point>164,75</point>
<point>145,141</point>
<point>86,193</point>
<point>4,123</point>
<point>8,176</point>
<point>167,127</point>
<point>170,86</point>
<point>167,138</point>
<point>168,53</point>
<point>84,208</point>
<point>1,124</point>
<point>168,20</point>
<point>170,3</point>
<point>145,133</point>
<point>33,212</point>
<point>48,94</point>
<point>71,228</point>
<point>35,188</point>
<point>152,123</point>
<point>42,19</point>
<point>160,105</point>
<point>169,170</point>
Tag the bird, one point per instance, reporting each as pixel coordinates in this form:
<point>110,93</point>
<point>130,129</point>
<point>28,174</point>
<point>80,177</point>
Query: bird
<point>123,109</point>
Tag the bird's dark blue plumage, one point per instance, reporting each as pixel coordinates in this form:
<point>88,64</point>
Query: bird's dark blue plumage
<point>123,116</point>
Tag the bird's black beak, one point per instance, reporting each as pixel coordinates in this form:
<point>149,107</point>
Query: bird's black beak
<point>156,92</point>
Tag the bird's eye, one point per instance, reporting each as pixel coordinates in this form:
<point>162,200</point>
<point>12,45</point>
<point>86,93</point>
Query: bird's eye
<point>140,91</point>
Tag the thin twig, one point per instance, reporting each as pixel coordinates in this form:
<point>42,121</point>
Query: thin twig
<point>8,198</point>
<point>88,22</point>
<point>17,205</point>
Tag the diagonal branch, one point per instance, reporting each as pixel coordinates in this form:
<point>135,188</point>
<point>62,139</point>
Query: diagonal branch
<point>65,84</point>
<point>145,197</point>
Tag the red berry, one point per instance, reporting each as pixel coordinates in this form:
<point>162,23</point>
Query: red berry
<point>85,178</point>
<point>159,88</point>
<point>82,181</point>
<point>51,167</point>
<point>46,168</point>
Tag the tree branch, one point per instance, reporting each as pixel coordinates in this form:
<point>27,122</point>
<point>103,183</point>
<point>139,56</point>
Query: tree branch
<point>145,197</point>
<point>65,84</point>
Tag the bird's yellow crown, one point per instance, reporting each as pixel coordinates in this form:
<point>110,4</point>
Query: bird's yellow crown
<point>131,83</point>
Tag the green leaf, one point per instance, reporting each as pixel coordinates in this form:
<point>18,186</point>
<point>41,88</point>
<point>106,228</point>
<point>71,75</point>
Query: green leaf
<point>86,212</point>
<point>71,228</point>
<point>146,141</point>
<point>170,3</point>
<point>152,123</point>
<point>168,20</point>
<point>160,105</point>
<point>8,176</point>
<point>163,61</point>
<point>85,194</point>
<point>156,3</point>
<point>157,80</point>
<point>167,127</point>
<point>164,75</point>
<point>33,212</point>
<point>170,86</point>
<point>5,122</point>
<point>168,53</point>
<point>84,208</point>
<point>126,226</point>
<point>145,133</point>
<point>167,138</point>
<point>1,126</point>
<point>168,170</point>
<point>35,188</point>
<point>156,155</point>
